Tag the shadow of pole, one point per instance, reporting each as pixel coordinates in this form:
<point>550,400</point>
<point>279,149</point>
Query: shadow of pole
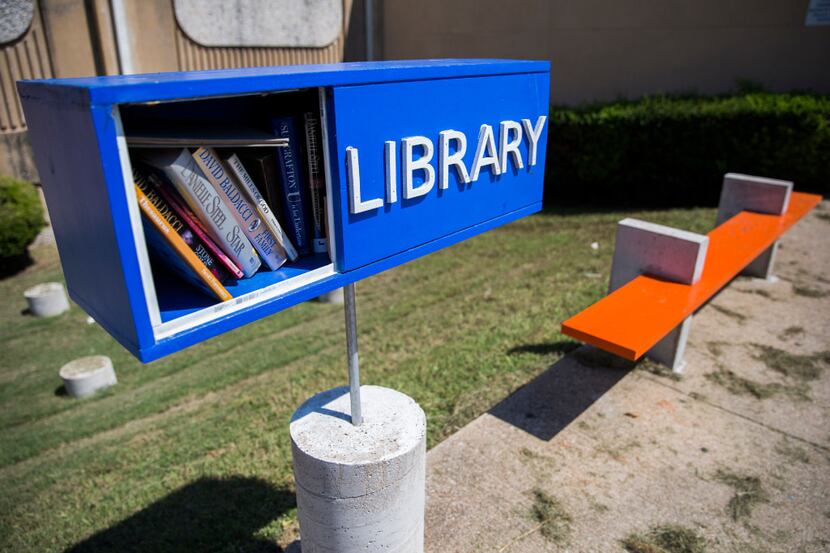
<point>551,401</point>
<point>210,514</point>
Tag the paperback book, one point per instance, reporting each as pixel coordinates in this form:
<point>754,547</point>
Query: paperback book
<point>171,249</point>
<point>235,166</point>
<point>180,226</point>
<point>206,202</point>
<point>261,165</point>
<point>166,191</point>
<point>316,179</point>
<point>242,208</point>
<point>294,188</point>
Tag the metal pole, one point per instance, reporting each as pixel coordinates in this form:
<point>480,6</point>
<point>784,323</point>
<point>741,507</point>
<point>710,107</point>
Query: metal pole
<point>351,347</point>
<point>369,14</point>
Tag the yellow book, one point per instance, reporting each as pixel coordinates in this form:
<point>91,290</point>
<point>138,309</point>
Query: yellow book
<point>167,244</point>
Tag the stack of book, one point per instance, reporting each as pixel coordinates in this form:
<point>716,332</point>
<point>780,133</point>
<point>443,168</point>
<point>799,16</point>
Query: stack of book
<point>216,208</point>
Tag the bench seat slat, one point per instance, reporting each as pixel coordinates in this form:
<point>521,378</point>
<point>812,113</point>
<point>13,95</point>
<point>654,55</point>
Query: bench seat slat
<point>635,317</point>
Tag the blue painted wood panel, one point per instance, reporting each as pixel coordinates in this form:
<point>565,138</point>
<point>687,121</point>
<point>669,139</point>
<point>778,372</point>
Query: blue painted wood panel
<point>275,305</point>
<point>87,211</point>
<point>120,89</point>
<point>365,117</point>
<point>73,130</point>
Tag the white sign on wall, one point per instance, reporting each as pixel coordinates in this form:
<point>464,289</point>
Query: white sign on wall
<point>818,13</point>
<point>260,23</point>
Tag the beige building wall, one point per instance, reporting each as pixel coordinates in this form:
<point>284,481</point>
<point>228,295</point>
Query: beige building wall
<point>604,49</point>
<point>75,38</point>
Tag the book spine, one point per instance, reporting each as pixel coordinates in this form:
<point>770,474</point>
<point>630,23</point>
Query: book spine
<point>201,272</point>
<point>263,169</point>
<point>265,213</point>
<point>316,179</point>
<point>242,209</point>
<point>206,202</point>
<point>179,224</point>
<point>294,189</point>
<point>198,228</point>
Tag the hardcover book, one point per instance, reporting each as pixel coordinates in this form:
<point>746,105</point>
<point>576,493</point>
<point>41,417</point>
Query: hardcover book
<point>183,172</point>
<point>262,167</point>
<point>170,248</point>
<point>243,209</point>
<point>294,188</point>
<point>316,179</point>
<point>155,184</point>
<point>180,227</point>
<point>155,134</point>
<point>248,186</point>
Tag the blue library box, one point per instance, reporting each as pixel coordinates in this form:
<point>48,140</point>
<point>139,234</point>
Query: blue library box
<point>417,155</point>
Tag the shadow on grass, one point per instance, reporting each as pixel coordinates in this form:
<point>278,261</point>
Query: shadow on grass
<point>551,401</point>
<point>210,514</point>
<point>10,266</point>
<point>544,349</point>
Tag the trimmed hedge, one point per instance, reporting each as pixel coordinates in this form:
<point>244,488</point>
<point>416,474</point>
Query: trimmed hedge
<point>674,151</point>
<point>21,217</point>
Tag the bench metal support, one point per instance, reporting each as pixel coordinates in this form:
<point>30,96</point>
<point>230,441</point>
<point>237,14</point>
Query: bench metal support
<point>763,265</point>
<point>663,252</point>
<point>670,350</point>
<point>761,195</point>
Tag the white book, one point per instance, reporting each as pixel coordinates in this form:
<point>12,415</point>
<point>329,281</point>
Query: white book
<point>235,165</point>
<point>183,172</point>
<point>243,210</point>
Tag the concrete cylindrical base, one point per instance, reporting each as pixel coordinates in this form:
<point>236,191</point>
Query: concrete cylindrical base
<point>47,299</point>
<point>87,375</point>
<point>335,296</point>
<point>360,488</point>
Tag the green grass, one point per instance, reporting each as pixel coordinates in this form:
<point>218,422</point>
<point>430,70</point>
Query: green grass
<point>139,466</point>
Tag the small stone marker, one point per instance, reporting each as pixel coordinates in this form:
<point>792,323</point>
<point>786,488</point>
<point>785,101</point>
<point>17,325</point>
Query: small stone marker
<point>335,297</point>
<point>87,375</point>
<point>360,488</point>
<point>47,299</point>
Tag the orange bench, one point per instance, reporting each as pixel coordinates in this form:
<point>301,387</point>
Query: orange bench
<point>636,316</point>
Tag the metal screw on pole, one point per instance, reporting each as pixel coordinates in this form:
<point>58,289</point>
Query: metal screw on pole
<point>351,347</point>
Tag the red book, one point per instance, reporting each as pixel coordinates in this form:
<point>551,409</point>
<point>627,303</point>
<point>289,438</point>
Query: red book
<point>184,213</point>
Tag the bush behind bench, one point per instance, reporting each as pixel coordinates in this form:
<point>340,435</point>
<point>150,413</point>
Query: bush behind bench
<point>674,150</point>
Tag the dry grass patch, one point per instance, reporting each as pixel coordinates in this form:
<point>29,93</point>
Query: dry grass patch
<point>668,538</point>
<point>739,385</point>
<point>554,521</point>
<point>791,332</point>
<point>808,292</point>
<point>740,317</point>
<point>798,367</point>
<point>749,493</point>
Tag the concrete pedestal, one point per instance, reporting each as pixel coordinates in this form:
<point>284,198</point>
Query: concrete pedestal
<point>664,252</point>
<point>85,376</point>
<point>47,299</point>
<point>761,195</point>
<point>763,265</point>
<point>360,488</point>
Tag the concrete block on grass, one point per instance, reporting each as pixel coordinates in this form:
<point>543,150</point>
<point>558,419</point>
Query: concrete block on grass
<point>335,297</point>
<point>47,299</point>
<point>85,376</point>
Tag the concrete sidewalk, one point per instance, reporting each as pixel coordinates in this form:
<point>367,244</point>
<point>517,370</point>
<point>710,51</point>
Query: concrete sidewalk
<point>591,452</point>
